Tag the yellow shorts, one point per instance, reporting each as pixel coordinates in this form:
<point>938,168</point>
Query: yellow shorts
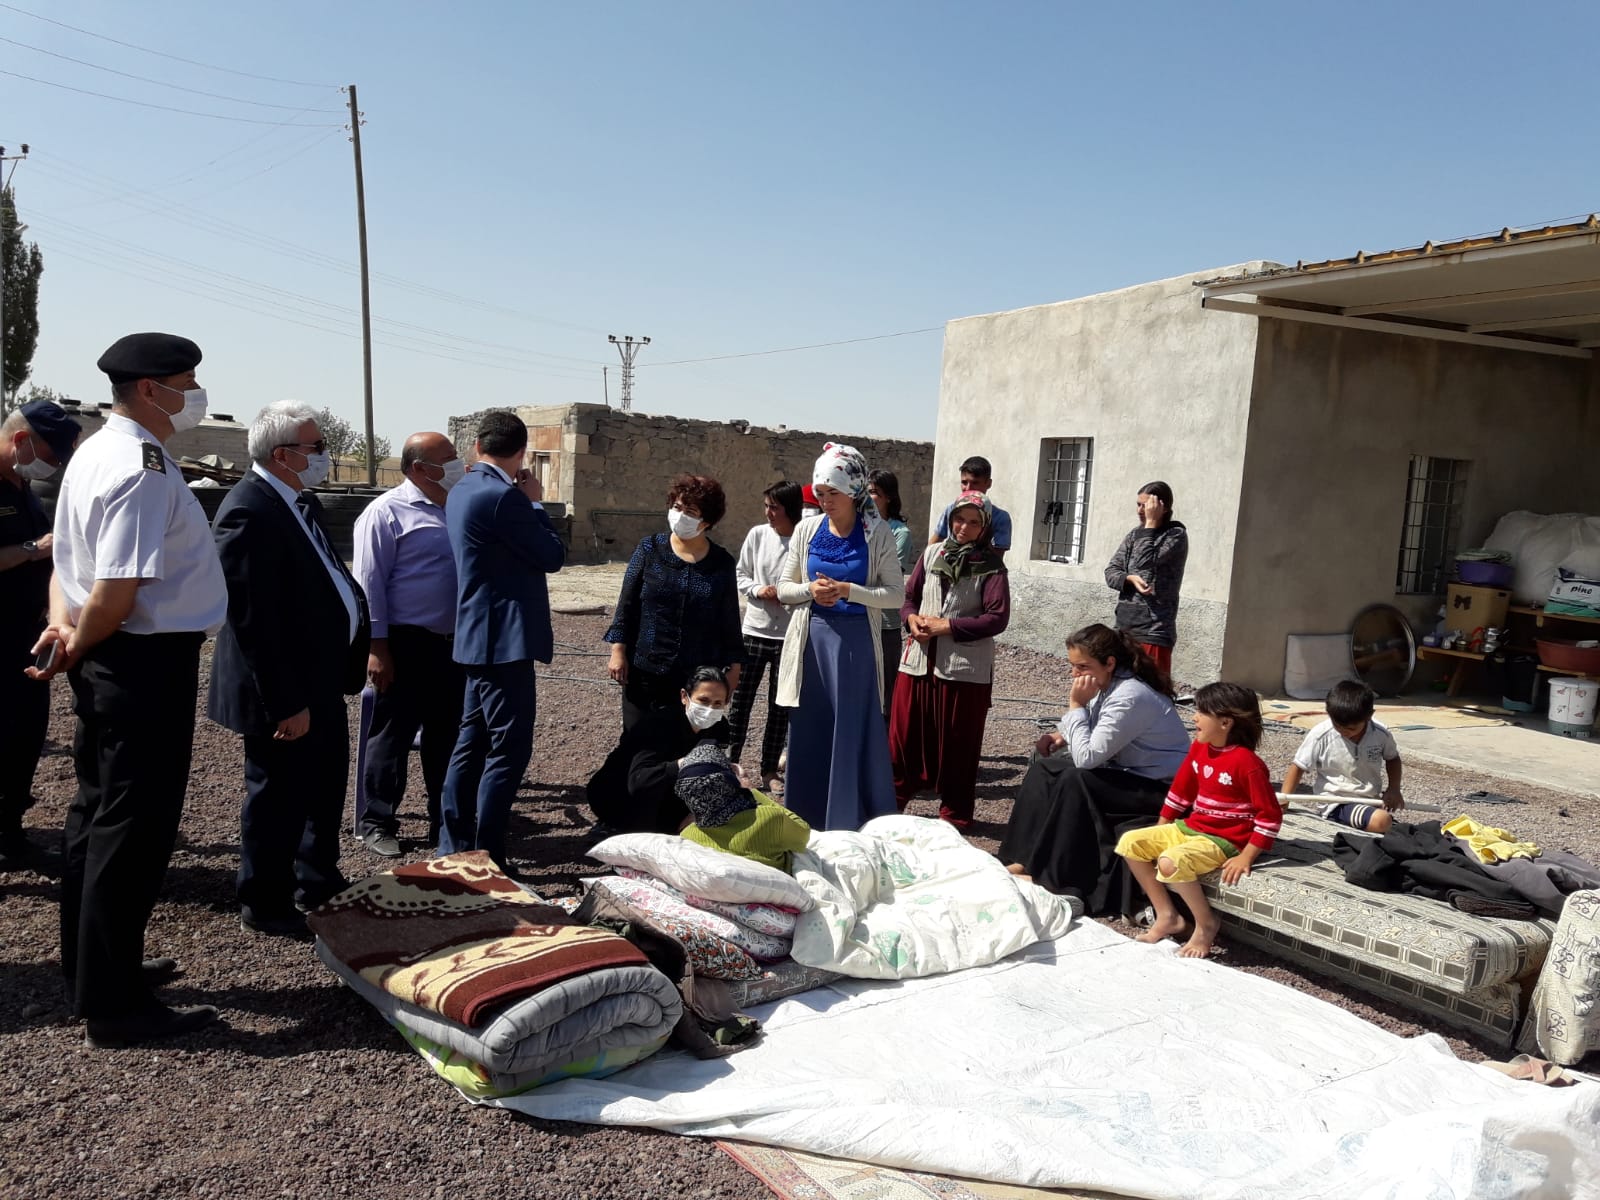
<point>1192,856</point>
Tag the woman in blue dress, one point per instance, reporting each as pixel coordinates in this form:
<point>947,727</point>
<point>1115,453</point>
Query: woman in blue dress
<point>842,572</point>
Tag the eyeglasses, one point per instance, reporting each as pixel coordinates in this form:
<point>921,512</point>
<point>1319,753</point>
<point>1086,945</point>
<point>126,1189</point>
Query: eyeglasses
<point>318,447</point>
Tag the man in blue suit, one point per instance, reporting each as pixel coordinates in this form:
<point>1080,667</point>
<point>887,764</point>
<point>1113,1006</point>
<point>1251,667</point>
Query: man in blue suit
<point>504,546</point>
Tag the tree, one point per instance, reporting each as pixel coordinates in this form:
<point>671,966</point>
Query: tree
<point>38,391</point>
<point>23,266</point>
<point>380,449</point>
<point>340,437</point>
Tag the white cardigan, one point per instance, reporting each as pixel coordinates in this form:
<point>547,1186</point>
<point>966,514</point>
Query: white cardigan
<point>885,588</point>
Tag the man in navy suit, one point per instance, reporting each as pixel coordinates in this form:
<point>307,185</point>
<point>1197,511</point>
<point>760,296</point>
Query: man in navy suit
<point>504,547</point>
<point>294,646</point>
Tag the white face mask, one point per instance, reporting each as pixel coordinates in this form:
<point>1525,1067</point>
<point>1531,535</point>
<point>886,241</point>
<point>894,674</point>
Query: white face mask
<point>37,469</point>
<point>702,716</point>
<point>454,471</point>
<point>316,470</point>
<point>193,410</point>
<point>682,524</point>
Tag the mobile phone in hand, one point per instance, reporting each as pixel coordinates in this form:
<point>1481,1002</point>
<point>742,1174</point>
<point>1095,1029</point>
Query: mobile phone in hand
<point>46,659</point>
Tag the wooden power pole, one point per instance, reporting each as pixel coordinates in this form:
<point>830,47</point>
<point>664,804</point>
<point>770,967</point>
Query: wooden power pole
<point>366,291</point>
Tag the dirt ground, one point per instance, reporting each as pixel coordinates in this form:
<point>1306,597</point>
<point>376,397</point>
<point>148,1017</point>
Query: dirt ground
<point>303,1090</point>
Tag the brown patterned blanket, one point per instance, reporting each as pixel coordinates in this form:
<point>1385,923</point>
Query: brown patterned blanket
<point>456,936</point>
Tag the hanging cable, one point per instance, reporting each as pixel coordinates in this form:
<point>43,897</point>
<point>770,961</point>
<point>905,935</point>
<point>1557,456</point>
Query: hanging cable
<point>877,337</point>
<point>188,112</point>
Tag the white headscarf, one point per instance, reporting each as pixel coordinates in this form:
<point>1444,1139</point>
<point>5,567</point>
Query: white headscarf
<point>843,469</point>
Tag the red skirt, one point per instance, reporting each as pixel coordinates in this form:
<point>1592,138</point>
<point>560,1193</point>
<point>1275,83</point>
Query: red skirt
<point>1162,655</point>
<point>936,740</point>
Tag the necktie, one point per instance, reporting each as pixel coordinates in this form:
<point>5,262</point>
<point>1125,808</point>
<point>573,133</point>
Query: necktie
<point>309,508</point>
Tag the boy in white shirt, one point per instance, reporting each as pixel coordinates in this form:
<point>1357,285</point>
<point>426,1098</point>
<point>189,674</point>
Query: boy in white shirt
<point>1348,757</point>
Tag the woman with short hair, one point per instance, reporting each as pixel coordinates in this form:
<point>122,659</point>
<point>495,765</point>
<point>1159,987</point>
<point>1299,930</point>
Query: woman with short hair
<point>766,620</point>
<point>679,604</point>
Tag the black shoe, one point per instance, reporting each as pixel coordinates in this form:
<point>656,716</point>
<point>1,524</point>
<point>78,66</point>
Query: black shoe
<point>382,843</point>
<point>117,1032</point>
<point>15,849</point>
<point>293,926</point>
<point>159,970</point>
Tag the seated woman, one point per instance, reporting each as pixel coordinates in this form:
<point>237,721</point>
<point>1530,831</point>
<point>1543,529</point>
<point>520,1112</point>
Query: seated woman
<point>633,791</point>
<point>1111,762</point>
<point>730,817</point>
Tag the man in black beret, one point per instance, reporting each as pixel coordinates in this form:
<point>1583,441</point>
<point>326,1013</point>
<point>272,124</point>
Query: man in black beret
<point>35,442</point>
<point>137,588</point>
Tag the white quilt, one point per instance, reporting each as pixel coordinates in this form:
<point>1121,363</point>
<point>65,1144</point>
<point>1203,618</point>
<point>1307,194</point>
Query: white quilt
<point>1096,1062</point>
<point>908,896</point>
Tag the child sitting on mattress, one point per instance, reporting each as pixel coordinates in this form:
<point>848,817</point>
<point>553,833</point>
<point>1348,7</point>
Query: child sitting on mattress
<point>727,816</point>
<point>1221,811</point>
<point>1348,757</point>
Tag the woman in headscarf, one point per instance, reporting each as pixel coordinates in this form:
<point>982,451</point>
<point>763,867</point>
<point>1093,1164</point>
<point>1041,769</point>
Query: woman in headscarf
<point>1146,572</point>
<point>957,601</point>
<point>841,572</point>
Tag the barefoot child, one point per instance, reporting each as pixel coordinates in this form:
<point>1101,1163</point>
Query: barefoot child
<point>1349,757</point>
<point>1220,812</point>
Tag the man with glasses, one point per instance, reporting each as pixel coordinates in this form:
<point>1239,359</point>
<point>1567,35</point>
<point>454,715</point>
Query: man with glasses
<point>295,644</point>
<point>404,564</point>
<point>136,589</point>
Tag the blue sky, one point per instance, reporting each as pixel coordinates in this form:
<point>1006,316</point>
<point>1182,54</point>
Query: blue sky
<point>729,178</point>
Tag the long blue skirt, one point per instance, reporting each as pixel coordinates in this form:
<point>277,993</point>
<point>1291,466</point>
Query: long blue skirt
<point>839,775</point>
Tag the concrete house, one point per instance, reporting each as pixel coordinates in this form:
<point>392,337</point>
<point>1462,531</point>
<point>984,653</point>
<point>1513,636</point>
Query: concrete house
<point>1332,431</point>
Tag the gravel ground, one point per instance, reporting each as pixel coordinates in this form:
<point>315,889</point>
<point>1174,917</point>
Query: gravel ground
<point>303,1088</point>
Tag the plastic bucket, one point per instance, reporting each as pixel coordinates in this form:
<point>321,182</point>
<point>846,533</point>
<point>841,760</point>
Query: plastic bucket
<point>1572,706</point>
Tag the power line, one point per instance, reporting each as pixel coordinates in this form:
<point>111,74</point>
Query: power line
<point>177,87</point>
<point>877,337</point>
<point>188,112</point>
<point>162,53</point>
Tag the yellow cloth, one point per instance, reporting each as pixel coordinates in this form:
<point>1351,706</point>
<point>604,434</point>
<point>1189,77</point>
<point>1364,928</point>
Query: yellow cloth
<point>767,833</point>
<point>1192,855</point>
<point>1491,845</point>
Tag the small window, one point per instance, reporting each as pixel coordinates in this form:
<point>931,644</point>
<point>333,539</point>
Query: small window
<point>1063,504</point>
<point>1431,526</point>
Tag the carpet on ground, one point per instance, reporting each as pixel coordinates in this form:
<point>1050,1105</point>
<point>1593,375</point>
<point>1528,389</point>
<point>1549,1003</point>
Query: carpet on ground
<point>1305,714</point>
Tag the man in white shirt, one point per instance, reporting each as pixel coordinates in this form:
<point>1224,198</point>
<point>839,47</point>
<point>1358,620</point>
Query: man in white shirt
<point>136,589</point>
<point>294,646</point>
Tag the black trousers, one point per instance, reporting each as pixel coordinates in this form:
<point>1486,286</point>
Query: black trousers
<point>289,829</point>
<point>135,700</point>
<point>647,692</point>
<point>25,704</point>
<point>426,694</point>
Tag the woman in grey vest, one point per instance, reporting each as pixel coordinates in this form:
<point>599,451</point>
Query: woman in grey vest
<point>957,601</point>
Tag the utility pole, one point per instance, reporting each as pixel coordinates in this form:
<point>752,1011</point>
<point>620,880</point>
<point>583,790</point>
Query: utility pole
<point>5,182</point>
<point>366,290</point>
<point>628,347</point>
<point>605,382</point>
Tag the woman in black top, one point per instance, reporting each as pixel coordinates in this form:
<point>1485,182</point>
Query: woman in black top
<point>679,606</point>
<point>634,792</point>
<point>1146,572</point>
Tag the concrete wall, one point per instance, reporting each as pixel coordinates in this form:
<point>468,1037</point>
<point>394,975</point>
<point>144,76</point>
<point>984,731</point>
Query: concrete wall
<point>1162,387</point>
<point>612,468</point>
<point>1335,417</point>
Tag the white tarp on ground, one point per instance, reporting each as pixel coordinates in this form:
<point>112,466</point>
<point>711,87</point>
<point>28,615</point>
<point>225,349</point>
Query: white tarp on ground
<point>1096,1062</point>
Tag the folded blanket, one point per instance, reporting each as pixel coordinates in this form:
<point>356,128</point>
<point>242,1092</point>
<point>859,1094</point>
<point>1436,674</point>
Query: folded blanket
<point>611,1009</point>
<point>763,947</point>
<point>457,937</point>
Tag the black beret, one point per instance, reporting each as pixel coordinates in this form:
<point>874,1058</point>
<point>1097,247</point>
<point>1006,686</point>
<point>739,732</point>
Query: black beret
<point>149,356</point>
<point>51,423</point>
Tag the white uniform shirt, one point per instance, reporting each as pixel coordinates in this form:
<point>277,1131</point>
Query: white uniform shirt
<point>125,513</point>
<point>341,581</point>
<point>761,560</point>
<point>1336,767</point>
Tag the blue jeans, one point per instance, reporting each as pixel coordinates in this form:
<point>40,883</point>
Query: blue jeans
<point>490,758</point>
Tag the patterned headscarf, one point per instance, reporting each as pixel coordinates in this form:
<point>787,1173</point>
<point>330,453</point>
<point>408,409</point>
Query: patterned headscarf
<point>709,788</point>
<point>843,469</point>
<point>956,560</point>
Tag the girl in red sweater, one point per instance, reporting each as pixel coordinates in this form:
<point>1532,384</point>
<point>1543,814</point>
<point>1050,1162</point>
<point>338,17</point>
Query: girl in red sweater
<point>1220,812</point>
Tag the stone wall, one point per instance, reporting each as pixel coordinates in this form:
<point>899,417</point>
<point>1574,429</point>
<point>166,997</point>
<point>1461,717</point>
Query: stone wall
<point>611,469</point>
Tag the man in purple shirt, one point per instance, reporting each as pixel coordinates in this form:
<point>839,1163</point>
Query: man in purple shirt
<point>403,560</point>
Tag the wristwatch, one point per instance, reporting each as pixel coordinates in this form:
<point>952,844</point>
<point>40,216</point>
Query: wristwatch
<point>30,547</point>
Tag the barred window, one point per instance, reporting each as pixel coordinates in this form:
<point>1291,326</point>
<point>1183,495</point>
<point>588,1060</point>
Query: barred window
<point>1431,526</point>
<point>1063,502</point>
